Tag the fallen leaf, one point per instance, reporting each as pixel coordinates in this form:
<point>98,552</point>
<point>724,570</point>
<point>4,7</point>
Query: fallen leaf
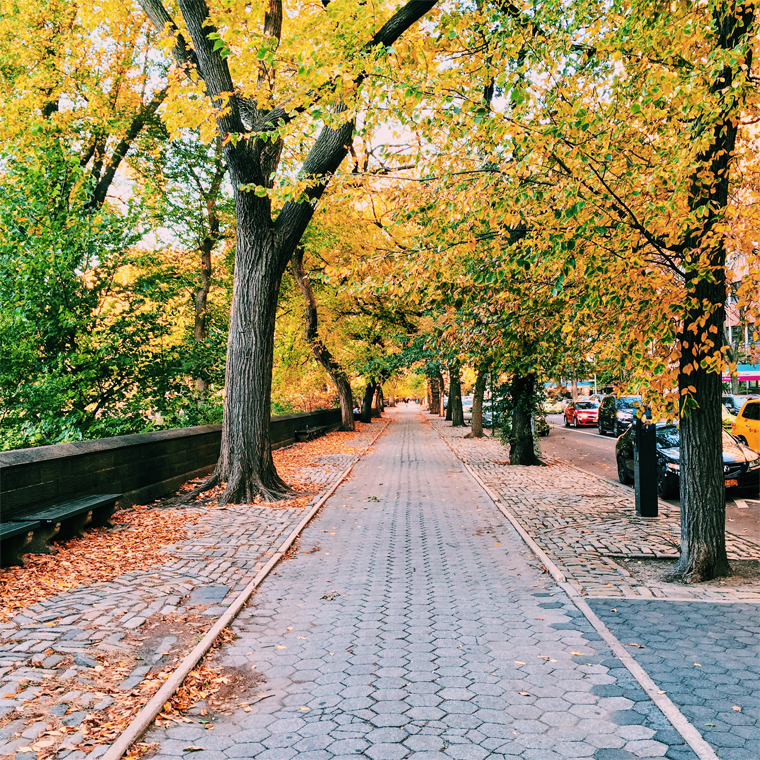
<point>633,644</point>
<point>697,665</point>
<point>524,694</point>
<point>737,708</point>
<point>518,662</point>
<point>193,748</point>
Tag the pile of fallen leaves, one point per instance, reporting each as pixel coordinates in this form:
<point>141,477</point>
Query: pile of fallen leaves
<point>291,462</point>
<point>100,555</point>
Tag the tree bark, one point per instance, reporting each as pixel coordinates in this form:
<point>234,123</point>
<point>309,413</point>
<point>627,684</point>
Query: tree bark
<point>245,460</point>
<point>435,395</point>
<point>476,429</point>
<point>455,398</point>
<point>449,406</point>
<point>521,446</point>
<point>703,504</point>
<point>318,348</point>
<point>369,394</point>
<point>441,395</point>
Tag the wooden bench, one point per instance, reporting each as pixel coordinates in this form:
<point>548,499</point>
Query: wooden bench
<point>64,520</point>
<point>309,434</point>
<point>15,538</point>
<point>69,518</point>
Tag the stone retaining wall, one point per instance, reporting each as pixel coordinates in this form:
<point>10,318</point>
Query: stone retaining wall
<point>143,467</point>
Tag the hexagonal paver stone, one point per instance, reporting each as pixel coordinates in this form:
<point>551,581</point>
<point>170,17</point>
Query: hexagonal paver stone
<point>424,628</point>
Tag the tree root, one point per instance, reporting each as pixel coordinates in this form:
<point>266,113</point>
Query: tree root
<point>242,489</point>
<point>698,570</point>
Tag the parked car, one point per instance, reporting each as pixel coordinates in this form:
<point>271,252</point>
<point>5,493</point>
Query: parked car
<point>735,403</point>
<point>581,413</point>
<point>616,414</point>
<point>741,465</point>
<point>747,424</point>
<point>728,419</point>
<point>554,406</point>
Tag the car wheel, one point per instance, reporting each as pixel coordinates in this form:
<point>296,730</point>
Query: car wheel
<point>575,422</point>
<point>567,422</point>
<point>623,475</point>
<point>600,428</point>
<point>616,429</point>
<point>741,439</point>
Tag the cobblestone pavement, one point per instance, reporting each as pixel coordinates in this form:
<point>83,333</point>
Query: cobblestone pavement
<point>706,656</point>
<point>585,523</point>
<point>414,623</point>
<point>142,615</point>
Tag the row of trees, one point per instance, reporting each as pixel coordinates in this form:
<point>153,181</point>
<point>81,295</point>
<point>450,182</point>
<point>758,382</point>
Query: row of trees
<point>520,189</point>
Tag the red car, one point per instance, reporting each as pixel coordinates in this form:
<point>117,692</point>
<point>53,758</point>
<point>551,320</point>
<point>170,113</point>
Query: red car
<point>581,413</point>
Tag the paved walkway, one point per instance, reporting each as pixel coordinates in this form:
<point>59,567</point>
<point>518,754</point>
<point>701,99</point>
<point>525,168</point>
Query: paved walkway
<point>587,525</point>
<point>93,653</point>
<point>414,623</point>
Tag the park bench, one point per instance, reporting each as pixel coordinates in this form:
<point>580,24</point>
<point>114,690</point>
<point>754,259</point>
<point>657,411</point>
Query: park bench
<point>309,434</point>
<point>65,520</point>
<point>15,538</point>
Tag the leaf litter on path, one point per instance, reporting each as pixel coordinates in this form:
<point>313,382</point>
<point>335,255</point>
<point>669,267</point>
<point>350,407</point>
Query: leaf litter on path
<point>103,554</point>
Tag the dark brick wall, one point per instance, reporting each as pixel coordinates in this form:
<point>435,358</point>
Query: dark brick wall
<point>143,467</point>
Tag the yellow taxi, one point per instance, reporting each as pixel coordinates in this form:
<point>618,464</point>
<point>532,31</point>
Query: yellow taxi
<point>746,427</point>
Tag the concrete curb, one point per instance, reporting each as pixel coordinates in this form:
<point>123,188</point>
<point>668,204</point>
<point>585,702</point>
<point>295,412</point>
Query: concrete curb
<point>141,722</point>
<point>666,706</point>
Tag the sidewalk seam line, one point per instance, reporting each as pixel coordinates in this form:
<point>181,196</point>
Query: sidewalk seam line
<point>666,706</point>
<point>141,722</point>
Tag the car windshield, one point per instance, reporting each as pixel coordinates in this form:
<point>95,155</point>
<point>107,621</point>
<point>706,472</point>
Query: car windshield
<point>586,405</point>
<point>629,402</point>
<point>668,437</point>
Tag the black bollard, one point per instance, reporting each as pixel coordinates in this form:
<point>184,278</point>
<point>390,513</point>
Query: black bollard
<point>645,467</point>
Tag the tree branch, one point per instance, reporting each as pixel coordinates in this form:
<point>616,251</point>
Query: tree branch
<point>164,23</point>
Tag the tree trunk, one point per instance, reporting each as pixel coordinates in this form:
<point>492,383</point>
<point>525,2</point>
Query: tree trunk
<point>369,393</point>
<point>574,389</point>
<point>201,300</point>
<point>703,493</point>
<point>245,460</point>
<point>449,405</point>
<point>318,348</point>
<point>432,395</point>
<point>476,430</point>
<point>377,401</point>
<point>441,395</point>
<point>455,398</point>
<point>521,449</point>
<point>703,499</point>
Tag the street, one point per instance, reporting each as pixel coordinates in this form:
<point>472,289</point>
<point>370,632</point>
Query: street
<point>585,448</point>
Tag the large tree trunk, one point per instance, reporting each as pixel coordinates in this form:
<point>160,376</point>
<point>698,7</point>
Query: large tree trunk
<point>436,395</point>
<point>201,299</point>
<point>521,446</point>
<point>318,348</point>
<point>245,460</point>
<point>369,394</point>
<point>703,493</point>
<point>455,398</point>
<point>449,405</point>
<point>441,396</point>
<point>703,504</point>
<point>377,401</point>
<point>476,430</point>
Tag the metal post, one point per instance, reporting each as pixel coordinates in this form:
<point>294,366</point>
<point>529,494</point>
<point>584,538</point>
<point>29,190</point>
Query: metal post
<point>645,468</point>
